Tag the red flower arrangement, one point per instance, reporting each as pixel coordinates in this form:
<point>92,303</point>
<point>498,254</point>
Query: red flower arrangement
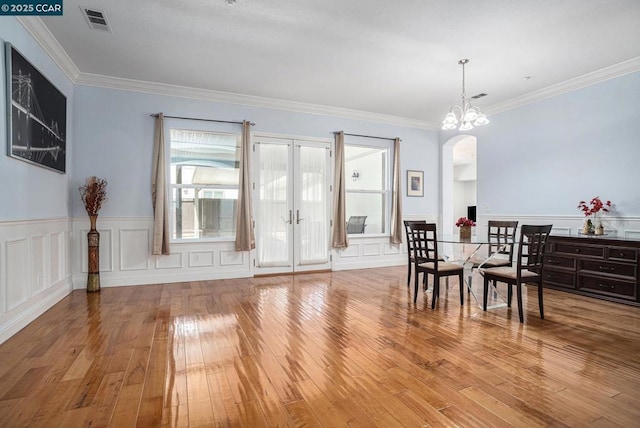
<point>594,207</point>
<point>463,221</point>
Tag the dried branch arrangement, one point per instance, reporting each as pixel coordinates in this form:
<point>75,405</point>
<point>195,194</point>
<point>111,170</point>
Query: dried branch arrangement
<point>93,194</point>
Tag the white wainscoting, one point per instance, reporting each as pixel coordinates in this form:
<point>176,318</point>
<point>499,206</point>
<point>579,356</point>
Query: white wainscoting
<point>368,252</point>
<point>615,227</point>
<point>126,259</point>
<point>34,270</point>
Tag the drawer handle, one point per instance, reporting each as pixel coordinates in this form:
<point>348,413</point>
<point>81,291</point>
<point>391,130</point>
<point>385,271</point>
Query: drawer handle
<point>553,277</point>
<point>607,286</point>
<point>577,250</point>
<point>605,268</point>
<point>553,261</point>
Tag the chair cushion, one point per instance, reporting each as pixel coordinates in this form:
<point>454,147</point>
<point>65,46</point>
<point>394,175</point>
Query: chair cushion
<point>442,266</point>
<point>487,263</point>
<point>491,263</point>
<point>509,272</point>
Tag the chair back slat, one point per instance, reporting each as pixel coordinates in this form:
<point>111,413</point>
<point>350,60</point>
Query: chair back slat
<point>425,242</point>
<point>407,228</point>
<point>501,236</point>
<point>531,248</point>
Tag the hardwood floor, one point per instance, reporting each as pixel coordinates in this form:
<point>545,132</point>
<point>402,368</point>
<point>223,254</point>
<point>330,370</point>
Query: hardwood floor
<point>328,349</point>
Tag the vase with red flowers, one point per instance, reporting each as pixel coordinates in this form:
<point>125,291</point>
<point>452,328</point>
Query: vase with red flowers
<point>593,212</point>
<point>465,225</point>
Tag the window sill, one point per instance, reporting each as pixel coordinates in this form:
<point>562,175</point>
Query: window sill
<point>369,235</point>
<point>201,241</point>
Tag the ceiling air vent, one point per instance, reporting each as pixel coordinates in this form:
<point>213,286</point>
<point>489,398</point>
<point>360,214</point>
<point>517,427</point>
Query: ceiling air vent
<point>96,19</point>
<point>475,97</point>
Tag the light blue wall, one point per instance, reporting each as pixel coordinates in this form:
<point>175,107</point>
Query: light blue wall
<point>115,135</point>
<point>26,190</point>
<point>545,157</point>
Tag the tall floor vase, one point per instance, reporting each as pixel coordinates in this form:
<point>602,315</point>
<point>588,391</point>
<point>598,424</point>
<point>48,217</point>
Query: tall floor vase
<point>93,240</point>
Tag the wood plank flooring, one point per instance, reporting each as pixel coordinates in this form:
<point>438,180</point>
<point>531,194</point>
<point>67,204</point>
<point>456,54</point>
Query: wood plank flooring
<point>330,349</point>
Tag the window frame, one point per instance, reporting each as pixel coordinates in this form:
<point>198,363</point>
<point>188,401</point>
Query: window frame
<point>205,127</point>
<point>377,144</point>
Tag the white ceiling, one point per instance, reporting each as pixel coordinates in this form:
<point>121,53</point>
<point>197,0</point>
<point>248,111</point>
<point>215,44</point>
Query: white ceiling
<point>394,57</point>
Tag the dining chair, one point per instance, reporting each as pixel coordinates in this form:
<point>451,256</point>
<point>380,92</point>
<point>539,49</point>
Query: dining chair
<point>427,261</point>
<point>527,270</point>
<point>409,236</point>
<point>356,224</point>
<point>501,237</point>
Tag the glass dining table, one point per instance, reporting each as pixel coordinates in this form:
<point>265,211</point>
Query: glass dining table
<point>472,253</point>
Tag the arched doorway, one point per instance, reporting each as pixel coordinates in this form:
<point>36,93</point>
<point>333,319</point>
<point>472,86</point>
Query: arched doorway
<point>459,179</point>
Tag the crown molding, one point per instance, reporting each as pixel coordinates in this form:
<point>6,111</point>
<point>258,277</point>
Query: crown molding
<point>48,42</point>
<point>45,39</point>
<point>88,79</point>
<point>598,76</point>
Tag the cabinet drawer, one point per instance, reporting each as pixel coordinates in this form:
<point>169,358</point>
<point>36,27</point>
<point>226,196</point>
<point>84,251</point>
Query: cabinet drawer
<point>553,260</point>
<point>579,250</point>
<point>608,287</point>
<point>623,254</point>
<point>559,278</point>
<point>609,268</point>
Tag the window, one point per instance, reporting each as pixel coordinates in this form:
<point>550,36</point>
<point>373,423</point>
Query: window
<point>204,169</point>
<point>367,188</point>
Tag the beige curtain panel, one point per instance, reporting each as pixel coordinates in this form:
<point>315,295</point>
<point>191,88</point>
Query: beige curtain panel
<point>339,231</point>
<point>245,238</point>
<point>396,197</point>
<point>159,191</point>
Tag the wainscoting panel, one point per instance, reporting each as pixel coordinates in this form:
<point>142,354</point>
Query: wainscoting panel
<point>134,249</point>
<point>38,266</point>
<point>232,258</point>
<point>371,249</point>
<point>57,262</point>
<point>34,272</point>
<point>391,249</point>
<point>351,251</point>
<point>632,234</point>
<point>136,265</point>
<point>170,261</point>
<point>200,258</point>
<point>17,268</point>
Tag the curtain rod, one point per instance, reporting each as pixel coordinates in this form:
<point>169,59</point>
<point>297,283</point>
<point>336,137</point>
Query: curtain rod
<point>368,136</point>
<point>204,120</point>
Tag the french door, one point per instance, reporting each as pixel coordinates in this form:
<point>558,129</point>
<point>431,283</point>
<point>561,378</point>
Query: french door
<point>292,203</point>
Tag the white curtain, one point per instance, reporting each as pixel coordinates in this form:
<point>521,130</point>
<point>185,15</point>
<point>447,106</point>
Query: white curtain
<point>313,205</point>
<point>273,232</point>
<point>339,231</point>
<point>159,191</point>
<point>396,198</point>
<point>245,239</point>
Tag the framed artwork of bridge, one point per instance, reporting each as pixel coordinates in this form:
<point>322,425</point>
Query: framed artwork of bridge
<point>37,115</point>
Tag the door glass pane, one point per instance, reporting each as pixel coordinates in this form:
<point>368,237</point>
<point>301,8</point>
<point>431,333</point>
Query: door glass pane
<point>273,210</point>
<point>313,205</point>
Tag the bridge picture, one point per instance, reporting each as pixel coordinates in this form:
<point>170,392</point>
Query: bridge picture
<point>38,115</point>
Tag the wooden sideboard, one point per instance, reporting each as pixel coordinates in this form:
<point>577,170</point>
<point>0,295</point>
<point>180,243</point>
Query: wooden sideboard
<point>595,266</point>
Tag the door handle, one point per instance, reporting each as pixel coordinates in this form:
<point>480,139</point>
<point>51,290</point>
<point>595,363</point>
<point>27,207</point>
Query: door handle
<point>290,216</point>
<point>298,219</point>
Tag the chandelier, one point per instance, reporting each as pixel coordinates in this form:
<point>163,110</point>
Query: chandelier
<point>466,114</point>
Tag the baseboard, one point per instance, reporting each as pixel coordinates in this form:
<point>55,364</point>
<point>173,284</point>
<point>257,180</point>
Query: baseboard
<point>17,319</point>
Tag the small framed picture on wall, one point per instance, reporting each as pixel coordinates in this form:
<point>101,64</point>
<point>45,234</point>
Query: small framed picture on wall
<point>415,183</point>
